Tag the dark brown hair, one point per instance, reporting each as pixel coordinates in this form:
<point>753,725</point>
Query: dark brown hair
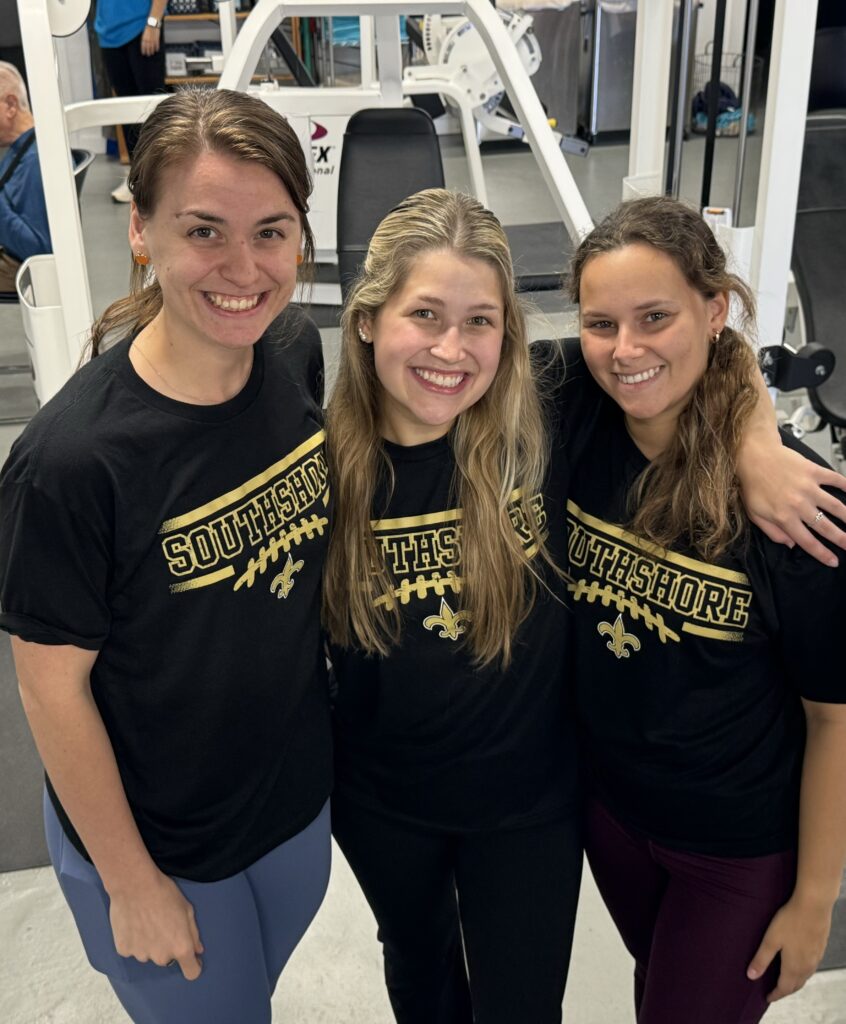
<point>689,491</point>
<point>178,130</point>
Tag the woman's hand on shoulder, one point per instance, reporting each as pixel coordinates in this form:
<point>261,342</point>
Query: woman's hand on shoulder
<point>783,495</point>
<point>799,932</point>
<point>155,923</point>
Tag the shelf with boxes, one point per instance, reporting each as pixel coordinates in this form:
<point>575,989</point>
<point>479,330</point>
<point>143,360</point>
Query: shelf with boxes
<point>193,55</point>
<point>192,44</point>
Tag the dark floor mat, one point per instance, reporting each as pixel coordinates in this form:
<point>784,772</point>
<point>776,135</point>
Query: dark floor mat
<point>539,250</point>
<point>21,832</point>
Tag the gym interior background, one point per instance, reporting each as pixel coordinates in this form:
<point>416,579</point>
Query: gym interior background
<point>335,975</point>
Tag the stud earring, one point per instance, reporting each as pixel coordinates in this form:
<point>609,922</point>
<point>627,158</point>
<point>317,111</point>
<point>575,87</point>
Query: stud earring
<point>299,259</point>
<point>362,335</point>
<point>141,258</point>
<point>716,337</point>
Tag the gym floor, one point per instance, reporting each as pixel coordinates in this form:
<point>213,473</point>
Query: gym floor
<point>335,974</point>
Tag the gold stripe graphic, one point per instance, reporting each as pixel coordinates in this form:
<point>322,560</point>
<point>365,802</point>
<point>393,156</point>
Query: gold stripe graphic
<point>203,581</point>
<point>431,518</point>
<point>451,515</point>
<point>712,634</point>
<point>246,488</point>
<point>702,568</point>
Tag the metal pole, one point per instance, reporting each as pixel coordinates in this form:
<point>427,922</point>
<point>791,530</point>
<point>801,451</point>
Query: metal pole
<point>680,67</point>
<point>594,81</point>
<point>37,28</point>
<point>713,90</point>
<point>650,100</point>
<point>781,161</point>
<point>746,101</point>
<point>331,40</point>
<point>228,26</point>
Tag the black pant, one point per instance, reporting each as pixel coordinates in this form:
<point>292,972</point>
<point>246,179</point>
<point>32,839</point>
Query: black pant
<point>133,74</point>
<point>510,895</point>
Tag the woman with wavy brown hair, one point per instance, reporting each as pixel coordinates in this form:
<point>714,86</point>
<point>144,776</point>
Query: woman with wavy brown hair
<point>706,658</point>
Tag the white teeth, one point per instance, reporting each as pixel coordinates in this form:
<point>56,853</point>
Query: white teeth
<point>637,378</point>
<point>233,302</point>
<point>442,380</point>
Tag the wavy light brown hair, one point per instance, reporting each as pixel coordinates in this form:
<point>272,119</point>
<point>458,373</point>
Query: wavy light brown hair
<point>499,444</point>
<point>177,131</point>
<point>690,493</point>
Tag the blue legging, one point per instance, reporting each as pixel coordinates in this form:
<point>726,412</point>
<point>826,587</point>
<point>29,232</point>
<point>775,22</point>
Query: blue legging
<point>249,924</point>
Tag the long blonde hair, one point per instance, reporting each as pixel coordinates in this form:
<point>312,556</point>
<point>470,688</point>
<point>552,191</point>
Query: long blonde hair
<point>178,130</point>
<point>499,444</point>
<point>690,491</point>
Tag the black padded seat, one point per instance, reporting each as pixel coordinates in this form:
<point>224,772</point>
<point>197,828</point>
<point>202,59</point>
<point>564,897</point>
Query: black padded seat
<point>388,154</point>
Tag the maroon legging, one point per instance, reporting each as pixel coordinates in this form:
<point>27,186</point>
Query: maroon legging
<point>692,922</point>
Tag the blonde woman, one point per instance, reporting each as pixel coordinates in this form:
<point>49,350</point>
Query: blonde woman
<point>454,743</point>
<point>707,660</point>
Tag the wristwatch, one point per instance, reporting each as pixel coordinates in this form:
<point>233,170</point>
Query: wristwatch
<point>154,22</point>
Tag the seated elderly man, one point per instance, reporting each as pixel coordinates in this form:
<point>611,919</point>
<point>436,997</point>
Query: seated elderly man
<point>23,216</point>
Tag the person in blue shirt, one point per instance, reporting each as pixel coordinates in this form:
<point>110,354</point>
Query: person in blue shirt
<point>23,216</point>
<point>11,47</point>
<point>130,37</point>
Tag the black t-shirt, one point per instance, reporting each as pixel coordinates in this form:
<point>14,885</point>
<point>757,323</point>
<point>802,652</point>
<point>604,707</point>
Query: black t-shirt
<point>422,734</point>
<point>689,674</point>
<point>185,544</point>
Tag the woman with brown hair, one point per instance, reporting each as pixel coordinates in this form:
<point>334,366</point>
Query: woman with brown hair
<point>163,526</point>
<point>707,659</point>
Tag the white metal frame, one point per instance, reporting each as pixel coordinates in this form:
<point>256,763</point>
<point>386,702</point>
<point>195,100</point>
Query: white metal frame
<point>772,236</point>
<point>653,48</point>
<point>43,19</point>
<point>392,87</point>
<point>781,161</point>
<point>765,258</point>
<point>56,165</point>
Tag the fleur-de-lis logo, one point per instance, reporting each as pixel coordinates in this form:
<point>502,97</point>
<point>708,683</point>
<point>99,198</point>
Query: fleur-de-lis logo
<point>449,621</point>
<point>619,637</point>
<point>283,583</point>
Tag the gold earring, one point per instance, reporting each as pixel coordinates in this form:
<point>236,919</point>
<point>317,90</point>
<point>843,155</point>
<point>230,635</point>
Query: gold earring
<point>141,258</point>
<point>299,259</point>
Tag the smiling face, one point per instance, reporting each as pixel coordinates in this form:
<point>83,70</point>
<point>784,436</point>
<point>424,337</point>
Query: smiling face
<point>437,343</point>
<point>645,337</point>
<point>223,240</point>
